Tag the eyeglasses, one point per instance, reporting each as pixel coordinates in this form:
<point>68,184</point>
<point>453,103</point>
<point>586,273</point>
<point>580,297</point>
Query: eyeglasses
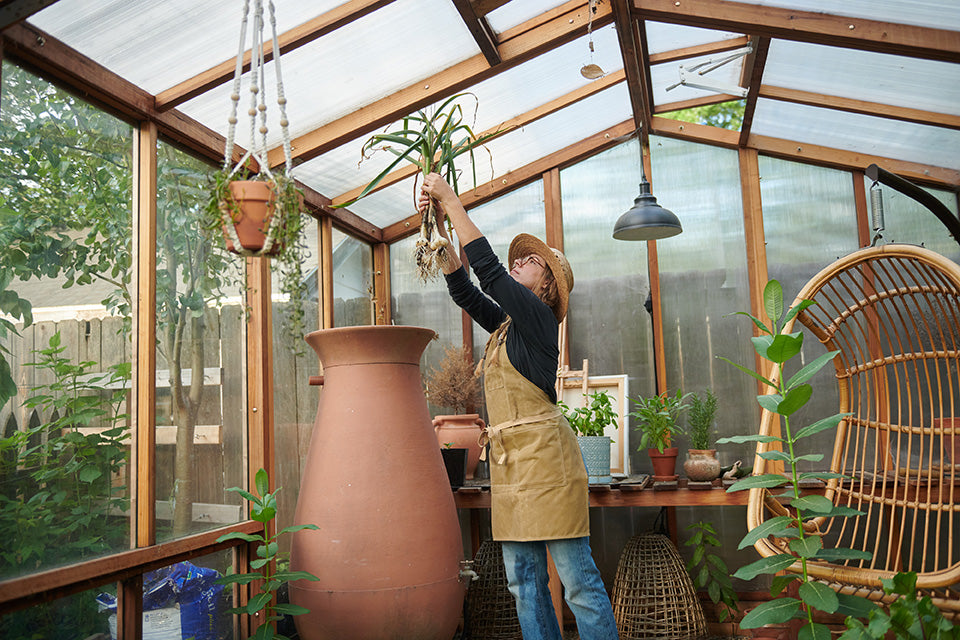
<point>519,262</point>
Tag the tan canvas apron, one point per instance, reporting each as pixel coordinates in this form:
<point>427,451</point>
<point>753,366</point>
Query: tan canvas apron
<point>538,482</point>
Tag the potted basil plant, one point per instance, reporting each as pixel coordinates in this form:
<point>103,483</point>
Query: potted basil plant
<point>589,423</point>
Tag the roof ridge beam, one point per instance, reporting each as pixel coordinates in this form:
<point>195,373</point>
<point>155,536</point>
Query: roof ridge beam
<point>480,30</point>
<point>806,26</point>
<point>516,46</point>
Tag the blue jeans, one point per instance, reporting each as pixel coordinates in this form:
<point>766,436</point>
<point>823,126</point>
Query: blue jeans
<point>526,567</point>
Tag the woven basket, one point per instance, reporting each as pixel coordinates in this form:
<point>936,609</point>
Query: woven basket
<point>653,595</point>
<point>491,608</point>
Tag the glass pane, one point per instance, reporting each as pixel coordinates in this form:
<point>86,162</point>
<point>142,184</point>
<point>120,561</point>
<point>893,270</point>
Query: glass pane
<point>352,281</point>
<point>65,197</point>
<point>608,325</point>
<point>199,404</point>
<point>703,279</point>
<point>183,600</point>
<point>809,221</point>
<point>76,617</point>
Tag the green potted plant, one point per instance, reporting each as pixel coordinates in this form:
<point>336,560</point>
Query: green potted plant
<point>589,423</point>
<point>263,509</point>
<point>701,464</point>
<point>431,141</point>
<point>658,417</point>
<point>453,385</point>
<point>709,571</point>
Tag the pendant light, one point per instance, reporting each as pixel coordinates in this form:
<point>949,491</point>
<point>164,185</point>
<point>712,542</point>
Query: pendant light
<point>646,220</point>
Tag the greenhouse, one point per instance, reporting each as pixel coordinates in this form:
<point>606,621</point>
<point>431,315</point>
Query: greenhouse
<point>180,404</point>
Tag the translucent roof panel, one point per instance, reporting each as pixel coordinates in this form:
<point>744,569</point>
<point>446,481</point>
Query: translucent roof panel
<point>663,36</point>
<point>872,77</point>
<point>156,44</point>
<point>359,63</point>
<point>938,14</point>
<point>495,101</point>
<point>865,134</point>
<point>512,14</point>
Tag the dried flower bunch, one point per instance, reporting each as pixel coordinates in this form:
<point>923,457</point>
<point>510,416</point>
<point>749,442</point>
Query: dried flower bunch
<point>453,384</point>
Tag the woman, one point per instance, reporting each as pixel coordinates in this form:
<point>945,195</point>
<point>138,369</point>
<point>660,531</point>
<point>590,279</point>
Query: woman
<point>539,493</point>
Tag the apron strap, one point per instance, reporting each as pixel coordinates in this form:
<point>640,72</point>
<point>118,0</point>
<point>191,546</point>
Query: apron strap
<point>493,434</point>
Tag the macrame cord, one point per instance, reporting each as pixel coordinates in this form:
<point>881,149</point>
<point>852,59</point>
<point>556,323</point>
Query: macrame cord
<point>257,110</point>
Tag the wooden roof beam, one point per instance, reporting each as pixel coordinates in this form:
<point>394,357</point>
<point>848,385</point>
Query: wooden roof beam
<point>906,114</point>
<point>636,63</point>
<point>806,26</point>
<point>539,35</point>
<point>288,41</point>
<point>13,11</point>
<point>751,77</point>
<point>480,30</point>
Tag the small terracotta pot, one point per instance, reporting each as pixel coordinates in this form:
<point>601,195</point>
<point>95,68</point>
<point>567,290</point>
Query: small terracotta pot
<point>664,464</point>
<point>702,465</point>
<point>464,432</point>
<point>255,201</point>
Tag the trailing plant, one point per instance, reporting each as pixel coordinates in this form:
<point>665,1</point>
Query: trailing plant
<point>658,417</point>
<point>906,618</point>
<point>263,509</point>
<point>787,396</point>
<point>431,141</point>
<point>452,384</point>
<point>592,418</point>
<point>284,233</point>
<point>709,571</point>
<point>700,419</point>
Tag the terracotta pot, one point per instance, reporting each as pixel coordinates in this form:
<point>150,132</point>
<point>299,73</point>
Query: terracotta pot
<point>464,432</point>
<point>664,464</point>
<point>255,201</point>
<point>388,550</point>
<point>702,465</point>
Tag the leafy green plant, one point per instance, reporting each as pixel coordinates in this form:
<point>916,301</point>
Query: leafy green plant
<point>787,396</point>
<point>708,570</point>
<point>60,501</point>
<point>263,509</point>
<point>700,419</point>
<point>907,617</point>
<point>658,417</point>
<point>592,419</point>
<point>431,141</point>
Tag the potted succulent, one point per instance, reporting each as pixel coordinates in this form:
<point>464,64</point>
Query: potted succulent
<point>589,423</point>
<point>658,419</point>
<point>453,385</point>
<point>701,464</point>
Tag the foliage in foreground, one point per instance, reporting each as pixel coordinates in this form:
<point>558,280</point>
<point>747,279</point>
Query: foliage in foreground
<point>708,570</point>
<point>907,617</point>
<point>789,395</point>
<point>263,509</point>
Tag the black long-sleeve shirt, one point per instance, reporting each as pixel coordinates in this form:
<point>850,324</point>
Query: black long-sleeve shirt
<point>532,335</point>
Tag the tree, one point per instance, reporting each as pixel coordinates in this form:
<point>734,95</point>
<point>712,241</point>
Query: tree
<point>65,214</point>
<point>726,115</point>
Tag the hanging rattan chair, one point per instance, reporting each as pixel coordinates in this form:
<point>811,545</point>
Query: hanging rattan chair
<point>893,312</point>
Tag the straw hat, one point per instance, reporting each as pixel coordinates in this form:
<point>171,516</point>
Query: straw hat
<point>524,245</point>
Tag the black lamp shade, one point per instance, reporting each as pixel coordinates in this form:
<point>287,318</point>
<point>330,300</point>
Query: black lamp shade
<point>646,220</point>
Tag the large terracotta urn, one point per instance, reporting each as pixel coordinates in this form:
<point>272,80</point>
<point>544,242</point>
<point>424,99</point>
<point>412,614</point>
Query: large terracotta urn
<point>388,549</point>
<point>461,431</point>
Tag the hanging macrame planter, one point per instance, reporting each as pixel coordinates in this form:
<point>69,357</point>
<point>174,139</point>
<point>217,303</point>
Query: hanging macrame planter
<point>257,214</point>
